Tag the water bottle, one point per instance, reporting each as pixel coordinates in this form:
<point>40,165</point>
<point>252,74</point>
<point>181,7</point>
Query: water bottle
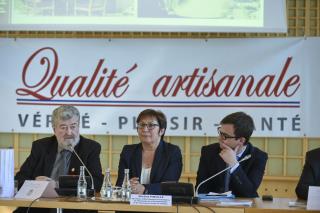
<point>82,184</point>
<point>106,189</point>
<point>126,187</point>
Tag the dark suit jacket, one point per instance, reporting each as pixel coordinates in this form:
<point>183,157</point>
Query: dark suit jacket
<point>310,174</point>
<point>42,157</point>
<point>166,166</point>
<point>244,181</point>
<point>43,154</point>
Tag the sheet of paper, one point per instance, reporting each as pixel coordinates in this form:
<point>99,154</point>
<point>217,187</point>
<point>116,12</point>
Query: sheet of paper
<point>235,203</point>
<point>228,193</point>
<point>33,189</point>
<point>313,198</point>
<point>50,191</point>
<point>212,196</point>
<point>300,204</point>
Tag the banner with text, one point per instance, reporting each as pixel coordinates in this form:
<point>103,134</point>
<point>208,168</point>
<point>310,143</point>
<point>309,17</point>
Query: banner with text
<point>194,82</point>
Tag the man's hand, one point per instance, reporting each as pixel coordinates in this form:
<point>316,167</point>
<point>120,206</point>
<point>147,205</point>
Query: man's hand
<point>229,155</point>
<point>43,178</point>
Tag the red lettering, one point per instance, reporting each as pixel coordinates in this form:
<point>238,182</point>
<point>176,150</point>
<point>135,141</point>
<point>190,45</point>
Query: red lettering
<point>45,78</point>
<point>50,85</point>
<point>198,84</point>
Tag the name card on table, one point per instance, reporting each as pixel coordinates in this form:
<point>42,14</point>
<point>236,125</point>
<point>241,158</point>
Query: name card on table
<point>151,200</point>
<point>313,198</point>
<point>33,189</point>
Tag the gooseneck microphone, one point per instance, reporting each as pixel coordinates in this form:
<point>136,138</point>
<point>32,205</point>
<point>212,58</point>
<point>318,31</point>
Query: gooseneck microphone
<point>229,167</point>
<point>70,147</point>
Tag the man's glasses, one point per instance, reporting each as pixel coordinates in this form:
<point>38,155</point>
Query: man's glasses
<point>150,126</point>
<point>224,135</point>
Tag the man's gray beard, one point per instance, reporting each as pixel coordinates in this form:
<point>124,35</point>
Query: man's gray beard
<point>69,141</point>
<point>73,141</point>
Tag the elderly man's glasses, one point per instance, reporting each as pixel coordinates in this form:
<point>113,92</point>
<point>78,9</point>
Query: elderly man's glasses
<point>150,126</point>
<point>224,135</point>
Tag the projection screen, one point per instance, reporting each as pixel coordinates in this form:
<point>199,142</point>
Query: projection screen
<point>144,15</point>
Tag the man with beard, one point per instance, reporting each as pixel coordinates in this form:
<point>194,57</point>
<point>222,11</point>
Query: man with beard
<point>51,157</point>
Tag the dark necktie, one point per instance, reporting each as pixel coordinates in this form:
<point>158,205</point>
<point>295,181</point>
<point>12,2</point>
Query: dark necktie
<point>62,164</point>
<point>227,180</point>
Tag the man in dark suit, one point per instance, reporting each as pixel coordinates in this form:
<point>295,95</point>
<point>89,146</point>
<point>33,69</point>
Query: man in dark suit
<point>242,179</point>
<point>51,157</point>
<point>153,160</point>
<point>310,174</point>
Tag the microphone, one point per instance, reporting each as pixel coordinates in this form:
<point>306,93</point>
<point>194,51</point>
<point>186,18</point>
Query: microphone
<point>70,147</point>
<point>229,167</point>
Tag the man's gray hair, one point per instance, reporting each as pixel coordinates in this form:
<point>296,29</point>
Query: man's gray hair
<point>63,113</point>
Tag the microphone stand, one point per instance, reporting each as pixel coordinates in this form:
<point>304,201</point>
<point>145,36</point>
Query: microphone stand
<point>229,167</point>
<point>74,151</point>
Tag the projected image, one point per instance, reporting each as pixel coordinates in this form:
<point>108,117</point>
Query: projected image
<point>76,8</point>
<point>221,9</point>
<point>148,12</point>
<point>143,15</point>
<point>209,9</point>
<point>4,5</point>
<point>226,9</point>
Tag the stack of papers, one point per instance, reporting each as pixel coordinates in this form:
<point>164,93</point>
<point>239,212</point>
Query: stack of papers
<point>6,172</point>
<point>212,196</point>
<point>235,203</point>
<point>301,204</point>
<point>224,199</point>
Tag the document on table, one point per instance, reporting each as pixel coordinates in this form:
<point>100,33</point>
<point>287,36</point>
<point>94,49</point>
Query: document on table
<point>235,203</point>
<point>301,204</point>
<point>33,189</point>
<point>212,196</point>
<point>224,194</point>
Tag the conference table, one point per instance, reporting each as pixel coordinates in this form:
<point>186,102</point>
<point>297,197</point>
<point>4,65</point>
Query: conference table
<point>278,205</point>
